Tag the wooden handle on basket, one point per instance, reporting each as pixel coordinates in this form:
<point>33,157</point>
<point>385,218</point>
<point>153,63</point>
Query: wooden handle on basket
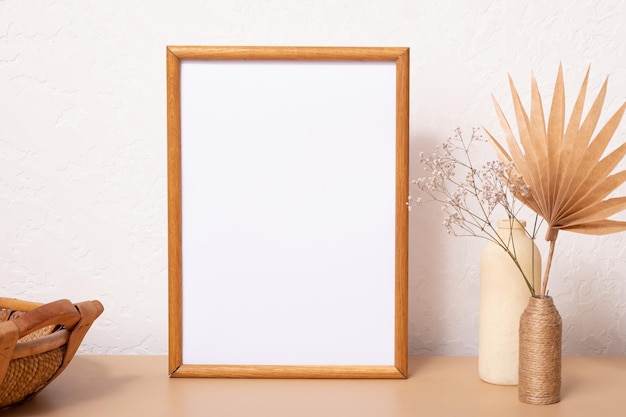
<point>8,339</point>
<point>60,312</point>
<point>89,312</point>
<point>20,305</point>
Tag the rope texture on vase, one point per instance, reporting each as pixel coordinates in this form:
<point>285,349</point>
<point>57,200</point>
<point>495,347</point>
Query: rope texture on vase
<point>540,353</point>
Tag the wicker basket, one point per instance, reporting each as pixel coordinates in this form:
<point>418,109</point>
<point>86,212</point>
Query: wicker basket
<point>37,342</point>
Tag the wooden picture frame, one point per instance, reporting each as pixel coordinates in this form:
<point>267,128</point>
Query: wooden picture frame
<point>287,216</point>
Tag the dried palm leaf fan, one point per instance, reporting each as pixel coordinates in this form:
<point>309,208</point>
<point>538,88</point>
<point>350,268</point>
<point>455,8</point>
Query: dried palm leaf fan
<point>37,342</point>
<point>568,177</point>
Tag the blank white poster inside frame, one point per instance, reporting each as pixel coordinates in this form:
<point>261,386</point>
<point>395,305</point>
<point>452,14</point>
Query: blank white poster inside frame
<point>287,183</point>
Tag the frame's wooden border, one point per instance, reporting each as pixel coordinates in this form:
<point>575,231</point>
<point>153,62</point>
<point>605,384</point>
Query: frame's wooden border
<point>174,56</point>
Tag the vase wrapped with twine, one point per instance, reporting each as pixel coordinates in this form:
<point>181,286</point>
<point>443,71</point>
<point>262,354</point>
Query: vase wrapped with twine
<point>540,336</point>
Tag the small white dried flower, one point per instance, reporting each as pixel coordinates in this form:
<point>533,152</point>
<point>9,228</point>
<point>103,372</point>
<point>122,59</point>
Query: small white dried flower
<point>469,204</point>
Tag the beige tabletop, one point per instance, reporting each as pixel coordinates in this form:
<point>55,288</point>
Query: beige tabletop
<point>119,386</point>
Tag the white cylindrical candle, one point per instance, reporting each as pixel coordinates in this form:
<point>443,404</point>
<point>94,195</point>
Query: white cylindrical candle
<point>503,297</point>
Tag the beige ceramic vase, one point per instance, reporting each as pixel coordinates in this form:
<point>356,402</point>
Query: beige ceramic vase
<point>503,298</point>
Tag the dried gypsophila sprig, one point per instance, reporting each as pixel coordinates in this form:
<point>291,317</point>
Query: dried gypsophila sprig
<point>470,201</point>
<point>491,186</point>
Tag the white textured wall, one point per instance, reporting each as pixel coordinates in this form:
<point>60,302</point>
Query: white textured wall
<point>83,135</point>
